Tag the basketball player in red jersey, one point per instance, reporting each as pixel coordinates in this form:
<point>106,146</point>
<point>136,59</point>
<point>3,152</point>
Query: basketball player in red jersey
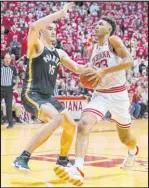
<point>111,58</point>
<point>37,94</point>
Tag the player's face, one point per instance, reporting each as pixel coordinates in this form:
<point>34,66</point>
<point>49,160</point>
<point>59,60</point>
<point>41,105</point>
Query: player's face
<point>102,28</point>
<point>50,32</point>
<point>7,59</point>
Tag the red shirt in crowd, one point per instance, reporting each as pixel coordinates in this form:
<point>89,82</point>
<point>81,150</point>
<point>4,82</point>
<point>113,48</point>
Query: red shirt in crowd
<point>17,97</point>
<point>133,88</point>
<point>24,47</point>
<point>133,99</point>
<point>3,47</point>
<point>141,51</point>
<point>11,34</point>
<point>7,22</point>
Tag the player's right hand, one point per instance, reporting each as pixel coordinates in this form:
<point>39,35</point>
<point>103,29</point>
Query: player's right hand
<point>67,6</point>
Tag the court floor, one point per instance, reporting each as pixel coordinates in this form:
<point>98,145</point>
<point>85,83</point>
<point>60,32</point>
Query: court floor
<point>102,163</point>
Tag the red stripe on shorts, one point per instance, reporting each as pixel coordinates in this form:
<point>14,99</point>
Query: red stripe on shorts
<point>112,89</point>
<point>94,111</point>
<point>121,125</point>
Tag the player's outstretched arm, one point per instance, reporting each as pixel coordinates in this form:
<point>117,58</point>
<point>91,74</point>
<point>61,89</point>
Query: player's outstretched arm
<point>35,28</point>
<point>43,22</point>
<point>70,64</point>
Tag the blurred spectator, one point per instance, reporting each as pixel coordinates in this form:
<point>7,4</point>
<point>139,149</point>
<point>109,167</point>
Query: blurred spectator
<point>21,66</point>
<point>94,8</point>
<point>22,77</point>
<point>142,67</point>
<point>19,113</point>
<point>3,46</point>
<point>135,108</point>
<point>24,46</point>
<point>133,86</point>
<point>3,112</point>
<point>17,106</point>
<point>141,101</point>
<point>13,33</point>
<point>71,86</point>
<point>15,47</point>
<point>56,89</point>
<point>13,61</point>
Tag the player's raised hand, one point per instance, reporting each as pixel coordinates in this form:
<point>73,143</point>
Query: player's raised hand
<point>67,6</point>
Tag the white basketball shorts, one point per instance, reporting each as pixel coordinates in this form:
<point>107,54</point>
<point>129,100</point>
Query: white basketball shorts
<point>117,103</point>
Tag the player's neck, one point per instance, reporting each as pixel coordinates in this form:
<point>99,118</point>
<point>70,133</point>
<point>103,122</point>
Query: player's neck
<point>102,39</point>
<point>48,44</point>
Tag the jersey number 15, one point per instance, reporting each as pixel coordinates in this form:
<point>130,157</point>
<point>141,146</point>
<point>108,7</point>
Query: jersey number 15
<point>51,69</point>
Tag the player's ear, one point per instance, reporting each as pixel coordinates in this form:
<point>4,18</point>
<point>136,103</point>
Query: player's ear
<point>110,29</point>
<point>40,34</point>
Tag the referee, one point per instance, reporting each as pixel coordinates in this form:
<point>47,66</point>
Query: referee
<point>8,72</point>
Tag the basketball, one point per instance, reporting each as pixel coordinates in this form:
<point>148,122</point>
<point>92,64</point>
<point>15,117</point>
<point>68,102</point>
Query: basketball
<point>84,80</point>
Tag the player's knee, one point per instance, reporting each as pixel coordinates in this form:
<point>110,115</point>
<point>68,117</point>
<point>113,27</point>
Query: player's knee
<point>55,122</point>
<point>58,118</point>
<point>83,126</point>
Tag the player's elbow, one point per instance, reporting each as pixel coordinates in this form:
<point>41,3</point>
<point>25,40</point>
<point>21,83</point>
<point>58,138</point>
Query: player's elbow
<point>32,27</point>
<point>130,62</point>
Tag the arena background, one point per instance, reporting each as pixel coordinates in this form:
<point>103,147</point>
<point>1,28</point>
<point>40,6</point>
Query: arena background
<point>74,35</point>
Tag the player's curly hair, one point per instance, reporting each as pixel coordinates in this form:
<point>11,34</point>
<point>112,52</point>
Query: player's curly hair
<point>111,21</point>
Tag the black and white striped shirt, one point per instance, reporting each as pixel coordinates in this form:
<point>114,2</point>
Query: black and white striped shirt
<point>7,73</point>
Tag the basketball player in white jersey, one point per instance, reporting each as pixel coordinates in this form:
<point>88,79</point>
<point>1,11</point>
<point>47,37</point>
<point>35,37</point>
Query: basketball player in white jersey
<point>111,58</point>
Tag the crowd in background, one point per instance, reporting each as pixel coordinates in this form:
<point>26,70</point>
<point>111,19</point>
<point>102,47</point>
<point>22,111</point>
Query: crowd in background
<point>74,35</point>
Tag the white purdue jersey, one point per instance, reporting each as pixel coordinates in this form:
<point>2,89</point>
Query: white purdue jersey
<point>102,57</point>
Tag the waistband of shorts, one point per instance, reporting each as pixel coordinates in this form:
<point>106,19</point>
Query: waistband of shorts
<point>113,89</point>
<point>24,92</point>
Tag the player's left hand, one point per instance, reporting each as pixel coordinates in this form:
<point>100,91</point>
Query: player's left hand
<point>97,75</point>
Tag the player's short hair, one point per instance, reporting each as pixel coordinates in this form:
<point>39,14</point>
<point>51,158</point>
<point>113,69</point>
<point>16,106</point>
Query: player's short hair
<point>111,21</point>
